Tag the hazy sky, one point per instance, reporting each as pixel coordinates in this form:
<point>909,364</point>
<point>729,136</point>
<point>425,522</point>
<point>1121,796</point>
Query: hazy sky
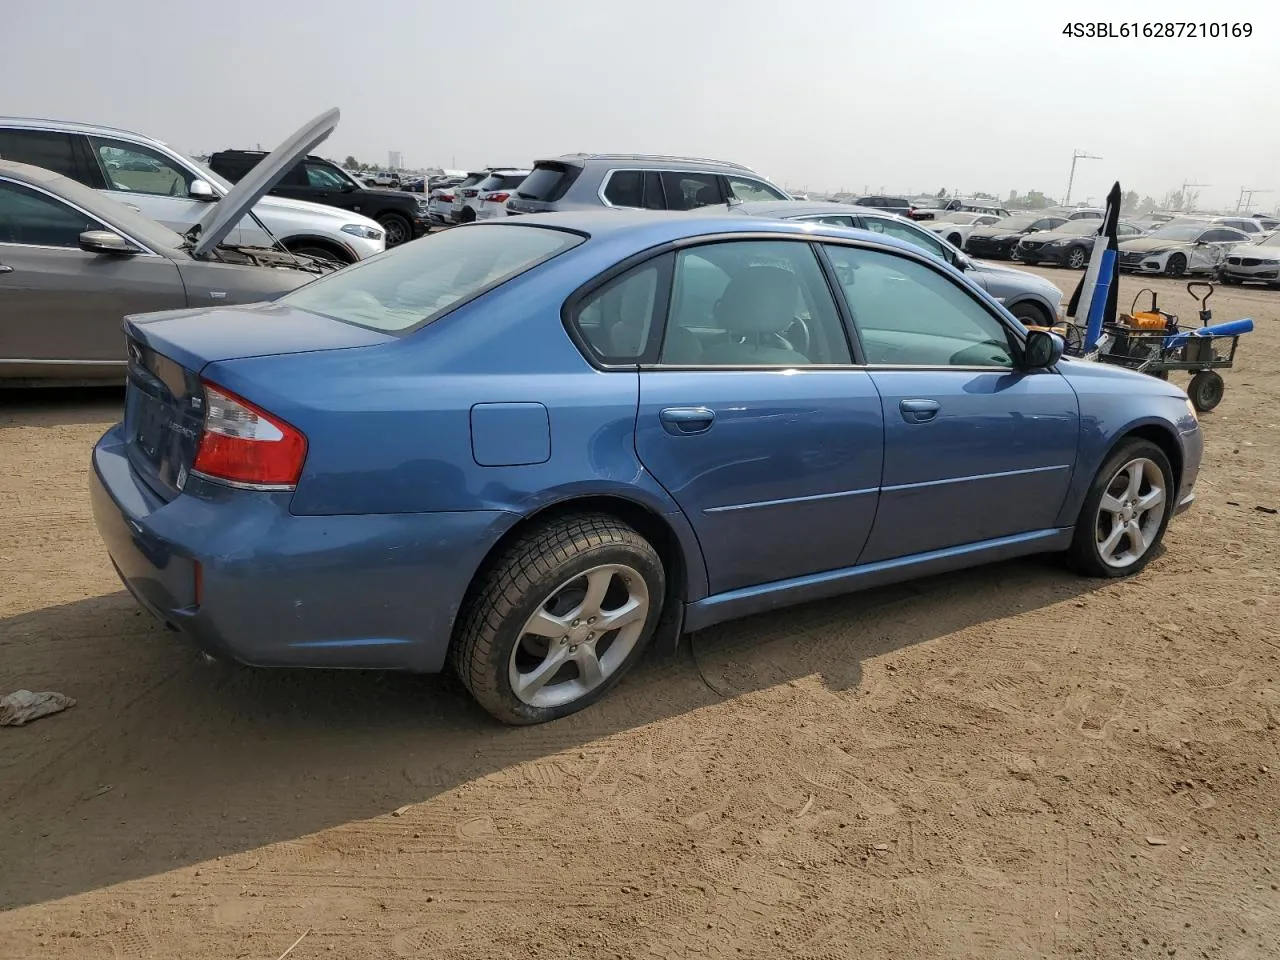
<point>908,95</point>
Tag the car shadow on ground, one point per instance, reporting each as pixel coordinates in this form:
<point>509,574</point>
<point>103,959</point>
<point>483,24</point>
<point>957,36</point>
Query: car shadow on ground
<point>168,761</point>
<point>61,406</point>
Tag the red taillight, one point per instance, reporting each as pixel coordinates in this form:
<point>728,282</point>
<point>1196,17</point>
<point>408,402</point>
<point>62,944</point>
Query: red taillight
<point>447,197</point>
<point>470,194</point>
<point>242,443</point>
<point>497,198</point>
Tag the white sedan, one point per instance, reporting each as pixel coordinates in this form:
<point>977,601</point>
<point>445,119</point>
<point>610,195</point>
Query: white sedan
<point>1179,248</point>
<point>955,225</point>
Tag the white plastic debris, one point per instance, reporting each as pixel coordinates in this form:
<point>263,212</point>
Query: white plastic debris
<point>23,706</point>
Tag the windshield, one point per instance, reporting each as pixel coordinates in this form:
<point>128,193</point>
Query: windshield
<point>1180,232</point>
<point>1014,223</point>
<point>419,282</point>
<point>1273,240</point>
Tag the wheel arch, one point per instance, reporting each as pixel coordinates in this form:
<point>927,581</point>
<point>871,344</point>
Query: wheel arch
<point>1155,431</point>
<point>326,243</point>
<point>669,533</point>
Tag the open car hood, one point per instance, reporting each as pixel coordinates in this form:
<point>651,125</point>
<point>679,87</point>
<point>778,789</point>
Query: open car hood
<point>214,226</point>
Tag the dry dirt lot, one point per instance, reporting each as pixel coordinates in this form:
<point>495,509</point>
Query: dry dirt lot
<point>1007,763</point>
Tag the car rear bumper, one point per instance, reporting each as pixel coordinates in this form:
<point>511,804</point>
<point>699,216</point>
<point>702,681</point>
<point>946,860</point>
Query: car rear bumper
<point>247,580</point>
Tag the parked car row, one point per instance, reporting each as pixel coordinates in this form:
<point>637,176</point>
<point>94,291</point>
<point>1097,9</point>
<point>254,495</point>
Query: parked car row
<point>157,181</point>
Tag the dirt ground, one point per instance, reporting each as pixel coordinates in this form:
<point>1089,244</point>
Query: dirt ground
<point>1006,763</point>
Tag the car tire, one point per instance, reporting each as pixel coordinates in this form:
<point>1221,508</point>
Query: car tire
<point>1175,266</point>
<point>955,239</point>
<point>1014,255</point>
<point>319,253</point>
<point>1077,258</point>
<point>1113,515</point>
<point>1031,315</point>
<point>1205,390</point>
<point>566,574</point>
<point>398,229</point>
<point>467,215</point>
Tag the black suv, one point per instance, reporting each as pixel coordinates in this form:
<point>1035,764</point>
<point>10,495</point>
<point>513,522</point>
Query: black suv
<point>402,215</point>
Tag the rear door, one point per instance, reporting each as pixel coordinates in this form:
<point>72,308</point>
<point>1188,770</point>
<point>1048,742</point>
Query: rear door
<point>753,417</point>
<point>974,449</point>
<point>59,303</point>
<point>1210,248</point>
<point>689,190</point>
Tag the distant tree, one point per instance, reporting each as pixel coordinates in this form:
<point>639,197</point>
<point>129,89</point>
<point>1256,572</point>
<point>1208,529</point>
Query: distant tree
<point>1147,205</point>
<point>1129,202</point>
<point>942,192</point>
<point>351,163</point>
<point>1172,200</point>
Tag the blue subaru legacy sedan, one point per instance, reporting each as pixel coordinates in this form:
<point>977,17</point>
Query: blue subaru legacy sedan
<point>527,448</point>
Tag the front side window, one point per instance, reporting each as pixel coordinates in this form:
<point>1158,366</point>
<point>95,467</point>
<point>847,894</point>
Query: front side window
<point>688,191</point>
<point>747,189</point>
<point>908,314</point>
<point>40,148</point>
<point>325,178</point>
<point>416,283</point>
<point>32,218</point>
<point>752,303</point>
<point>896,228</point>
<point>616,321</point>
<point>137,169</point>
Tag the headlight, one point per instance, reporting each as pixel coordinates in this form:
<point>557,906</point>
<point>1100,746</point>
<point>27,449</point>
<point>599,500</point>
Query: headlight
<point>359,230</point>
<point>1191,409</point>
<point>1055,243</point>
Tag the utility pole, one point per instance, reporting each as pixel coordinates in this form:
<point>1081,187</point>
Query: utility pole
<point>1076,155</point>
<point>1186,185</point>
<point>1247,192</point>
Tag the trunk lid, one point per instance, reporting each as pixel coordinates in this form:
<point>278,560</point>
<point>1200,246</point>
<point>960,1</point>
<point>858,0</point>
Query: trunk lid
<point>164,399</point>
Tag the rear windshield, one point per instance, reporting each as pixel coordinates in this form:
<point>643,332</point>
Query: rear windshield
<point>548,182</point>
<point>416,283</point>
<point>502,181</point>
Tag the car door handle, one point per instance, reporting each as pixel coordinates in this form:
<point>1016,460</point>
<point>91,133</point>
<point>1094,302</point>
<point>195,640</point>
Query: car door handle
<point>683,421</point>
<point>919,411</point>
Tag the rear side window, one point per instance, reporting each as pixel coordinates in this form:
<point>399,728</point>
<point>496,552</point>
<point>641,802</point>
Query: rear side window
<point>616,321</point>
<point>548,181</point>
<point>41,148</point>
<point>417,283</point>
<point>688,191</point>
<point>625,188</point>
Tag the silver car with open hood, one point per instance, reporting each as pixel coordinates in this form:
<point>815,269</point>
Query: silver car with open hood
<point>73,263</point>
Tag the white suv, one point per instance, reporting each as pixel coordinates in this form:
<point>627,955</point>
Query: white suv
<point>494,191</point>
<point>157,181</point>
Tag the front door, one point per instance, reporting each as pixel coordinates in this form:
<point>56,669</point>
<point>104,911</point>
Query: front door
<point>975,449</point>
<point>753,418</point>
<point>60,303</point>
<point>153,184</point>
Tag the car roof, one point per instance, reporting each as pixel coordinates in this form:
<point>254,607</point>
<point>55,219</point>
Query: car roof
<point>155,235</point>
<point>73,126</point>
<point>789,209</point>
<point>646,228</point>
<point>644,160</point>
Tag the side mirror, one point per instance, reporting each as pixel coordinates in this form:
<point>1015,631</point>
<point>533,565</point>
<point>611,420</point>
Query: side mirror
<point>963,263</point>
<point>104,241</point>
<point>199,190</point>
<point>1042,350</point>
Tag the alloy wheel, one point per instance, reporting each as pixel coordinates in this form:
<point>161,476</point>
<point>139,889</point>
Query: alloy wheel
<point>579,636</point>
<point>1130,513</point>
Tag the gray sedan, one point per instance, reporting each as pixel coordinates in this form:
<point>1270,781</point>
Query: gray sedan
<point>1033,300</point>
<point>73,263</point>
